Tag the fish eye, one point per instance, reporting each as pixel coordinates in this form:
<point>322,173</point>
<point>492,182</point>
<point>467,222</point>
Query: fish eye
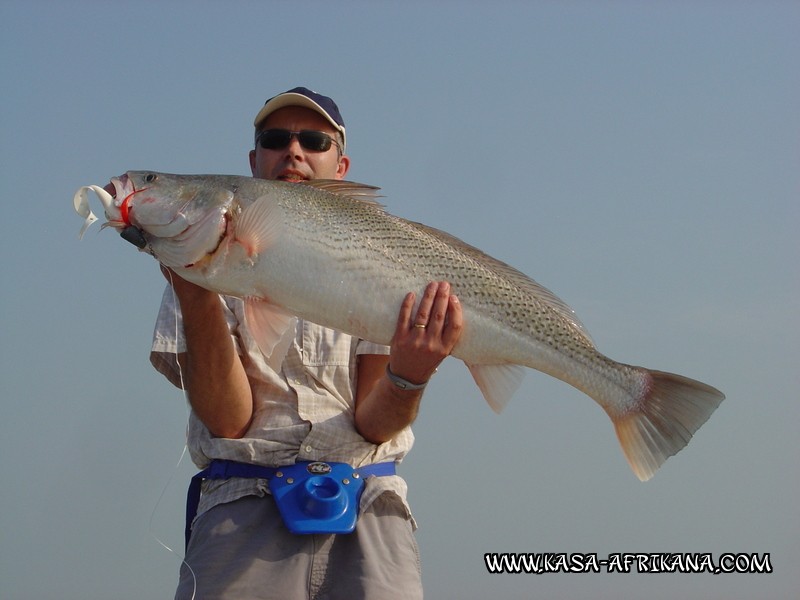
<point>150,177</point>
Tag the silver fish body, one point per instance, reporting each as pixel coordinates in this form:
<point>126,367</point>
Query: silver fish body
<point>329,253</point>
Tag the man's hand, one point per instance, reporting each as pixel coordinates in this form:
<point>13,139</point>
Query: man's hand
<point>421,341</point>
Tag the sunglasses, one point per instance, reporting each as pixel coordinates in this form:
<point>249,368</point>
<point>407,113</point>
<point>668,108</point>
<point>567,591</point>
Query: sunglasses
<point>277,139</point>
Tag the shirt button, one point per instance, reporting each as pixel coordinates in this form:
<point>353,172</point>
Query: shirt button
<point>309,449</point>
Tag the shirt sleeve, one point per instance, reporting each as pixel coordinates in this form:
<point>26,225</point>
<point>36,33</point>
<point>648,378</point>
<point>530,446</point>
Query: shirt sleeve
<point>168,336</point>
<point>365,347</point>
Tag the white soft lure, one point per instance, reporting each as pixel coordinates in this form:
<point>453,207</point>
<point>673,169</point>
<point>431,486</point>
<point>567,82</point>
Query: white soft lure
<point>81,203</point>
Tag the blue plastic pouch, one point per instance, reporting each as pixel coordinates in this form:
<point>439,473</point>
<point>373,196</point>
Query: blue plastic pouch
<point>318,497</point>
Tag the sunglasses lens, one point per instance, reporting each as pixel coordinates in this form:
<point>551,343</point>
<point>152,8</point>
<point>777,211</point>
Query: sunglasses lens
<point>314,140</point>
<point>276,139</point>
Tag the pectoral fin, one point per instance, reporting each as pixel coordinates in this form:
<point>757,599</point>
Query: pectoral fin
<point>259,225</point>
<point>272,328</point>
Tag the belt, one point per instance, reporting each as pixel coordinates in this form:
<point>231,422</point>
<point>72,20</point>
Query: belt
<point>225,469</point>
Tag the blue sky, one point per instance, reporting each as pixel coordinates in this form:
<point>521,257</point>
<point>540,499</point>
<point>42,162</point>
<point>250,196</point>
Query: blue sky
<point>638,158</point>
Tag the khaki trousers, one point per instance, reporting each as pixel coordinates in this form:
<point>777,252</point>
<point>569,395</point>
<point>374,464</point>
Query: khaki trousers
<point>242,550</point>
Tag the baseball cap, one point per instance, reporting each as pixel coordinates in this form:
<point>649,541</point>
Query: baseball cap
<point>306,98</point>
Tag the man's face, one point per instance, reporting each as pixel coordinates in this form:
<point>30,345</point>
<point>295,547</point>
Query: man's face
<point>295,163</point>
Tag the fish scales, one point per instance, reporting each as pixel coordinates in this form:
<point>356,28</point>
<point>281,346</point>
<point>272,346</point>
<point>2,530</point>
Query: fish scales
<point>326,251</point>
<point>414,256</point>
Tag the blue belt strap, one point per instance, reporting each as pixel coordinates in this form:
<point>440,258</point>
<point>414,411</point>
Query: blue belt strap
<point>225,469</point>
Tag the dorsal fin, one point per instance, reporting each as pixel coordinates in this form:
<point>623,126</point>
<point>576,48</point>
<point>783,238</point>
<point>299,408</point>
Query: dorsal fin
<point>350,189</point>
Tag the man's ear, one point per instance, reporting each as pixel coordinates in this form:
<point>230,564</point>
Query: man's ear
<point>344,166</point>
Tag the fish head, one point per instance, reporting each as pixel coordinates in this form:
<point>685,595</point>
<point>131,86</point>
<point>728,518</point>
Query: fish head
<point>182,217</point>
<point>179,219</point>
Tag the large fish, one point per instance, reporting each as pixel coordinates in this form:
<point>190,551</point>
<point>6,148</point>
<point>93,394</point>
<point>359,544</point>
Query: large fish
<point>326,251</point>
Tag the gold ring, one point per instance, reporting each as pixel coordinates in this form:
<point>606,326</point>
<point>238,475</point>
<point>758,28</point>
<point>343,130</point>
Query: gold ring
<point>420,326</point>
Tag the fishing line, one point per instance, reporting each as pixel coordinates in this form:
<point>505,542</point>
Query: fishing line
<point>180,459</point>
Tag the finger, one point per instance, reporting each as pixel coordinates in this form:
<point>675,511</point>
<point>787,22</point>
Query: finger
<point>406,308</point>
<point>424,311</point>
<point>439,308</point>
<point>455,322</point>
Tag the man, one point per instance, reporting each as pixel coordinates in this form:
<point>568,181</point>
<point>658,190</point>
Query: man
<point>334,398</point>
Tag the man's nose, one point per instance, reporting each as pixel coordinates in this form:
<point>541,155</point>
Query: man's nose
<point>294,149</point>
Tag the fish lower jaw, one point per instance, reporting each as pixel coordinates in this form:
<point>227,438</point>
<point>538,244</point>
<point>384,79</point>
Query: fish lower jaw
<point>117,224</point>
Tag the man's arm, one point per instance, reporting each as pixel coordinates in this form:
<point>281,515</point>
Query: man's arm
<point>213,374</point>
<point>382,408</point>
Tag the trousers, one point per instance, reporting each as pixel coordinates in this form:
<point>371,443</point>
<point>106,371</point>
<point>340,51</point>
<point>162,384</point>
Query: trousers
<point>242,550</point>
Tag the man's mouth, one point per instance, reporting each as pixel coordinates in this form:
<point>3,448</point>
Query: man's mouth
<point>291,176</point>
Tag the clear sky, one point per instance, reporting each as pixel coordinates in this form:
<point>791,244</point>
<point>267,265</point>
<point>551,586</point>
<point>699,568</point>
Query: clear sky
<point>641,159</point>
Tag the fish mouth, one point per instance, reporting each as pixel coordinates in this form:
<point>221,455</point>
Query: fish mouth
<point>115,196</point>
<point>120,190</point>
<point>119,187</point>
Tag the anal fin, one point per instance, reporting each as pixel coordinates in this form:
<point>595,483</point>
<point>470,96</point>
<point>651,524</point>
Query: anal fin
<point>497,382</point>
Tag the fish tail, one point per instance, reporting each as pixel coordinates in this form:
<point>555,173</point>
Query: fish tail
<point>664,419</point>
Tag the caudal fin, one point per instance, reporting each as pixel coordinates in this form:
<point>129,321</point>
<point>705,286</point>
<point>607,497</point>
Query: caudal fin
<point>673,408</point>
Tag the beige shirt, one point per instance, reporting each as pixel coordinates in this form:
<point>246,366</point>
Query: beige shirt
<point>304,411</point>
